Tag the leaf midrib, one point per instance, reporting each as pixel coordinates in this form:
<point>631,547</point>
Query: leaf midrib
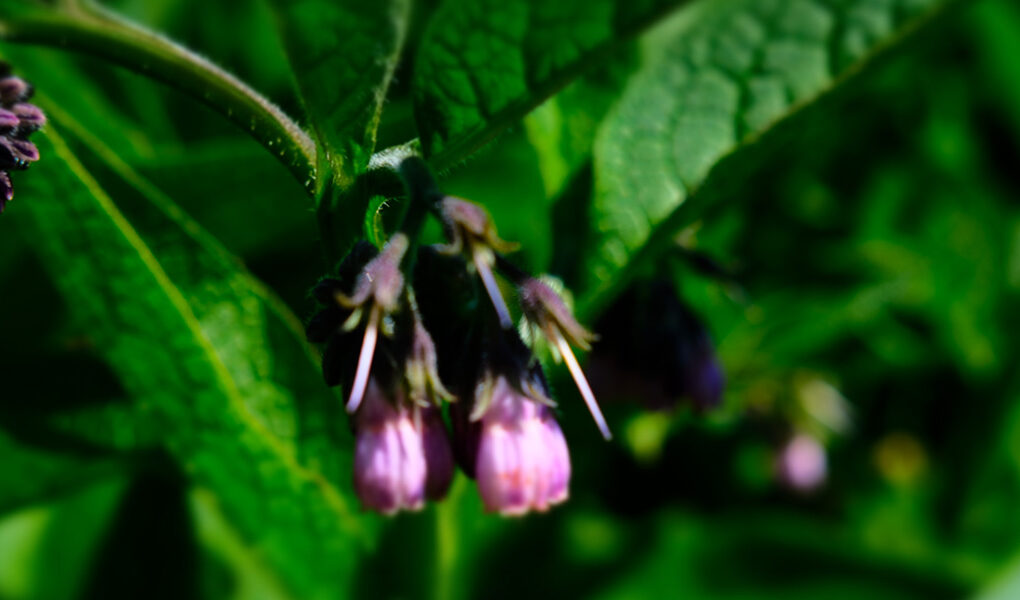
<point>220,373</point>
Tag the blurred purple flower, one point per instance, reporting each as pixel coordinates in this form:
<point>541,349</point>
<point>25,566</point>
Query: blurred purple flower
<point>655,348</point>
<point>802,464</point>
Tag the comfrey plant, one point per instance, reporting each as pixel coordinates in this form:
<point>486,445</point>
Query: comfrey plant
<point>434,348</point>
<point>377,344</point>
<point>18,120</point>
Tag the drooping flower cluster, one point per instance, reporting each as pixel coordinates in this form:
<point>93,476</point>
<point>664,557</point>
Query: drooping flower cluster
<point>18,120</point>
<point>402,452</point>
<point>392,320</point>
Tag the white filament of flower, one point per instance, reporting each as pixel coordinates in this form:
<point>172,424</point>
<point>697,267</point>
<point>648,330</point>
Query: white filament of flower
<point>492,288</point>
<point>365,359</point>
<point>582,385</point>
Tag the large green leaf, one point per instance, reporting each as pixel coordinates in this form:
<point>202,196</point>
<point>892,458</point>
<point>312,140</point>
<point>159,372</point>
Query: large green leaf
<point>208,354</point>
<point>87,27</point>
<point>343,54</point>
<point>714,81</point>
<point>563,129</point>
<point>483,65</point>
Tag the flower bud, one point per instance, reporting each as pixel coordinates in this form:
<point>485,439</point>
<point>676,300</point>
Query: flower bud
<point>8,120</point>
<point>30,118</point>
<point>16,155</point>
<point>14,89</point>
<point>327,322</point>
<point>17,121</point>
<point>25,151</point>
<point>421,369</point>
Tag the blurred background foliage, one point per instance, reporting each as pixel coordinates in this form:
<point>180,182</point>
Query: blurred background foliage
<point>872,260</point>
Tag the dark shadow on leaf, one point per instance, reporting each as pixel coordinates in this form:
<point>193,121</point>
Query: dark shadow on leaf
<point>150,550</point>
<point>44,388</point>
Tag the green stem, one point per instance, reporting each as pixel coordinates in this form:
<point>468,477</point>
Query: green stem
<point>422,194</point>
<point>327,234</point>
<point>88,28</point>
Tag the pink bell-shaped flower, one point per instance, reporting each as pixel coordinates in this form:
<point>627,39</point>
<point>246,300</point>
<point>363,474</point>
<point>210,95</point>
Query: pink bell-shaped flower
<point>522,462</point>
<point>402,453</point>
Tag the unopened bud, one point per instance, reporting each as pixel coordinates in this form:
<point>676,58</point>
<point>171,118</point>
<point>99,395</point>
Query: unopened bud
<point>17,121</point>
<point>30,118</point>
<point>16,155</point>
<point>422,369</point>
<point>14,89</point>
<point>8,120</point>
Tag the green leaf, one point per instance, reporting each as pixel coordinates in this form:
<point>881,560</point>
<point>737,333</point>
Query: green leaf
<point>208,354</point>
<point>482,66</point>
<point>717,79</point>
<point>89,28</point>
<point>343,54</point>
<point>563,129</point>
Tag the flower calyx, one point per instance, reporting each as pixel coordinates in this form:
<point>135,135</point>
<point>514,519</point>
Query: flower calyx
<point>472,233</point>
<point>545,309</point>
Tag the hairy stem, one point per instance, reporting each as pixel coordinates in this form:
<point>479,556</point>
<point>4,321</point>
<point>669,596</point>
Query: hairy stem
<point>86,27</point>
<point>422,195</point>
